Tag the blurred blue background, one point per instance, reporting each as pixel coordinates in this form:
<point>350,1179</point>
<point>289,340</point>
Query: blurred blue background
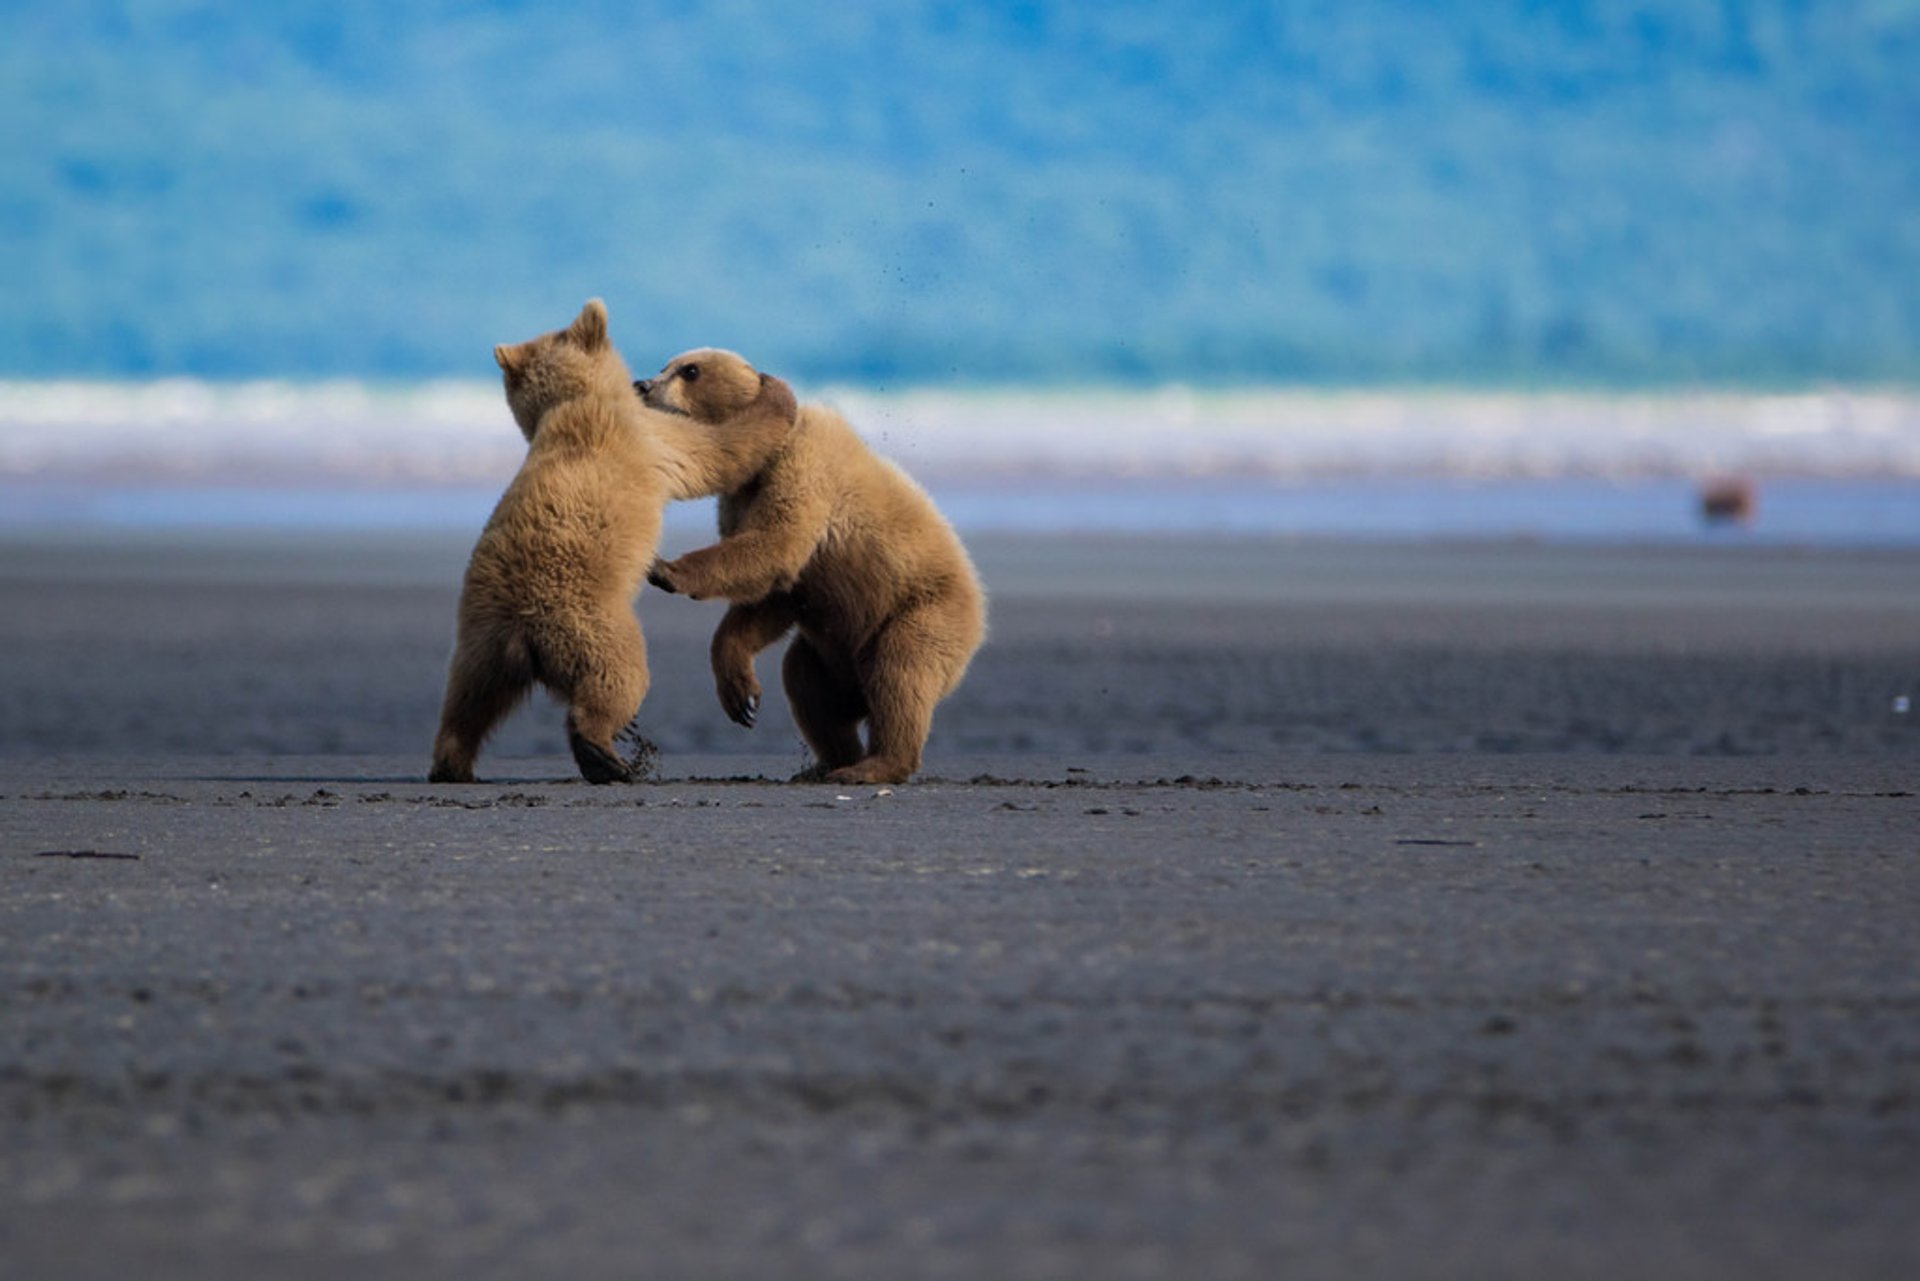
<point>931,192</point>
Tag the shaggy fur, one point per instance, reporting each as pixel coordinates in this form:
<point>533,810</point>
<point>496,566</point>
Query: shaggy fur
<point>836,541</point>
<point>549,589</point>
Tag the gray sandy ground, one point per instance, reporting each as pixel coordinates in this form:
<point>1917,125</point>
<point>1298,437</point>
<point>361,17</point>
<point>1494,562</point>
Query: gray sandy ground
<point>1354,1015</point>
<point>1267,908</point>
<point>1196,648</point>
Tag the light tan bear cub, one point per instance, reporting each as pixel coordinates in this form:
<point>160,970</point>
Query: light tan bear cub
<point>549,590</point>
<point>829,538</point>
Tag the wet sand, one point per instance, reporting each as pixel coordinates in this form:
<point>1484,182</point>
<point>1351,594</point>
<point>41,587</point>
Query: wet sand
<point>1361,910</point>
<point>1098,646</point>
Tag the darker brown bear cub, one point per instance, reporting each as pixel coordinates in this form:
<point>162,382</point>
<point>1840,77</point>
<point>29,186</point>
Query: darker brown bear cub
<point>548,595</point>
<point>831,539</point>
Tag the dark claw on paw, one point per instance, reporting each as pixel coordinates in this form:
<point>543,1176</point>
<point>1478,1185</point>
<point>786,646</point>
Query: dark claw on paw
<point>597,764</point>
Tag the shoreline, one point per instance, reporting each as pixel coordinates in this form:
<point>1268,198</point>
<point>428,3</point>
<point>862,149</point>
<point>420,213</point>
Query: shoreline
<point>1575,510</point>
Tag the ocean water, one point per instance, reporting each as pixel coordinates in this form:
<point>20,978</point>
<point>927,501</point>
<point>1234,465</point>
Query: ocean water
<point>1829,468</point>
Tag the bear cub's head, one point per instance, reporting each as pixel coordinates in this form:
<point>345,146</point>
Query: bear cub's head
<point>708,385</point>
<point>561,366</point>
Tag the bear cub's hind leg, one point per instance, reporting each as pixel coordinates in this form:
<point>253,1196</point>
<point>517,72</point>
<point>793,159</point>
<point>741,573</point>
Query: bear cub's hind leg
<point>906,671</point>
<point>827,708</point>
<point>603,676</point>
<point>487,677</point>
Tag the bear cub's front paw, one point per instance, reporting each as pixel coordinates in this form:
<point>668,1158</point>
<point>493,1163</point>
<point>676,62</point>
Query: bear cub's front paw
<point>690,576</point>
<point>664,576</point>
<point>740,699</point>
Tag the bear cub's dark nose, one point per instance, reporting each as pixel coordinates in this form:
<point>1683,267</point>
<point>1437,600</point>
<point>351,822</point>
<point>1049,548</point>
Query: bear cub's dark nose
<point>643,385</point>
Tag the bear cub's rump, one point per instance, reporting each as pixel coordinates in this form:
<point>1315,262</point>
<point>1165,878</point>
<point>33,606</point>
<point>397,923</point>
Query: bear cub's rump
<point>549,589</point>
<point>831,539</point>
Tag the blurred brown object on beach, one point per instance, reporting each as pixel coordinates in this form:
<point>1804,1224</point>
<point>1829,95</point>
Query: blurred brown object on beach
<point>1727,500</point>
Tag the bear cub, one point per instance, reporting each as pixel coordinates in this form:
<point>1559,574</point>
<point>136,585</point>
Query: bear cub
<point>549,588</point>
<point>835,542</point>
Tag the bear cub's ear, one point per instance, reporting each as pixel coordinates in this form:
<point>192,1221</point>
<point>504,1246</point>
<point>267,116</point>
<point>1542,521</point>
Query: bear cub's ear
<point>589,329</point>
<point>776,398</point>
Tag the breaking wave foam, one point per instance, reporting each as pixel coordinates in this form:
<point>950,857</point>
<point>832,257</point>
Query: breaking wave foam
<point>459,433</point>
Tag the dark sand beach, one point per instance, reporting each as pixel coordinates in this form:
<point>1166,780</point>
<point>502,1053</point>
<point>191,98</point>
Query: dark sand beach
<point>1266,907</point>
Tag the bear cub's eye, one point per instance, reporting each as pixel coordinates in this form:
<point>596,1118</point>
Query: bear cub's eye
<point>690,372</point>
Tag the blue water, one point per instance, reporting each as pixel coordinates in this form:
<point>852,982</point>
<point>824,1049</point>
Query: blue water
<point>1789,512</point>
<point>1130,192</point>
